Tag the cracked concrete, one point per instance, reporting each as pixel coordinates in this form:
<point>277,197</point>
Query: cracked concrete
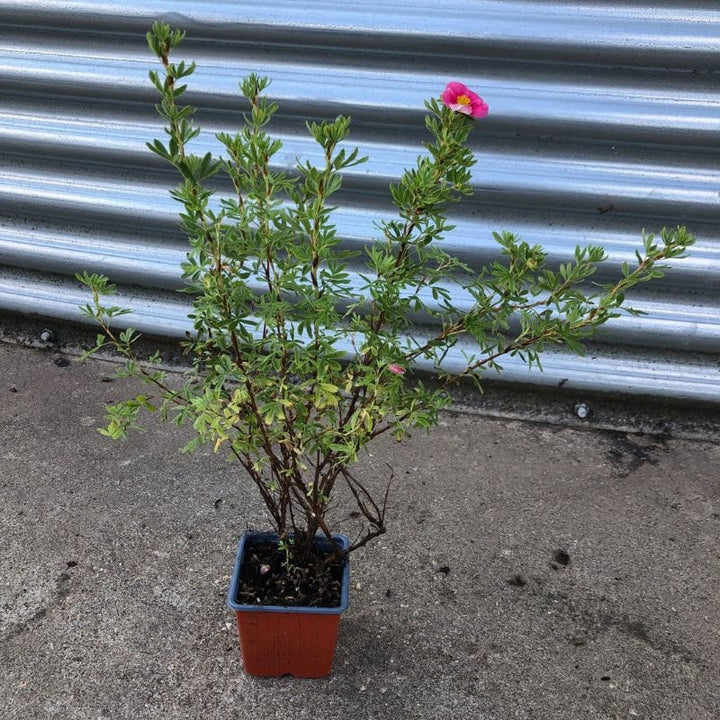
<point>530,571</point>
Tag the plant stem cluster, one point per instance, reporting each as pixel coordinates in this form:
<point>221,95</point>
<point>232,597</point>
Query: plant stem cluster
<point>296,365</point>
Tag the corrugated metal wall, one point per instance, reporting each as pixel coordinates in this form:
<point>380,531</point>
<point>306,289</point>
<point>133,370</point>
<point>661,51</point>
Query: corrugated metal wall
<point>605,119</point>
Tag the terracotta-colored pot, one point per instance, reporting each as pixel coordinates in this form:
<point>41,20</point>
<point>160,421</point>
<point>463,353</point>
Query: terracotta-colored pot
<point>277,640</point>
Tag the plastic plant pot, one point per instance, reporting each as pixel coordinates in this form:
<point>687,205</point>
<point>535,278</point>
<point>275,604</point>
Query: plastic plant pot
<point>277,640</point>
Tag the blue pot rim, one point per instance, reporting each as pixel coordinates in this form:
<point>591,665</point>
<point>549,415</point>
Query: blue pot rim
<point>270,536</point>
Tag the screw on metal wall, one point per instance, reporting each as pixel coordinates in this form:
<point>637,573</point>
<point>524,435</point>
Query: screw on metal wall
<point>582,410</point>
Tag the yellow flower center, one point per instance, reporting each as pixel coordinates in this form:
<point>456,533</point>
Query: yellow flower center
<point>462,100</point>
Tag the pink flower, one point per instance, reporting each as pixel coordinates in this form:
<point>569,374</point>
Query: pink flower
<point>396,369</point>
<point>458,98</point>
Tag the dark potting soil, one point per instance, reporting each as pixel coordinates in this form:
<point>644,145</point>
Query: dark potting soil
<point>265,580</point>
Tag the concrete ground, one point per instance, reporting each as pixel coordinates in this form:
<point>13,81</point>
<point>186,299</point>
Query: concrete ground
<point>530,571</point>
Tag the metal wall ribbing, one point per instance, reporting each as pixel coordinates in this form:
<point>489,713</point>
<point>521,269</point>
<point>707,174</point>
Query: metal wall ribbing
<point>604,120</point>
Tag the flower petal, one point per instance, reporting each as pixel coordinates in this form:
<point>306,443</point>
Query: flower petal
<point>478,105</point>
<point>452,91</point>
<point>461,108</point>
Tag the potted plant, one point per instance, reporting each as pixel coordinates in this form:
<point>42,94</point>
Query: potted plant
<point>297,364</point>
